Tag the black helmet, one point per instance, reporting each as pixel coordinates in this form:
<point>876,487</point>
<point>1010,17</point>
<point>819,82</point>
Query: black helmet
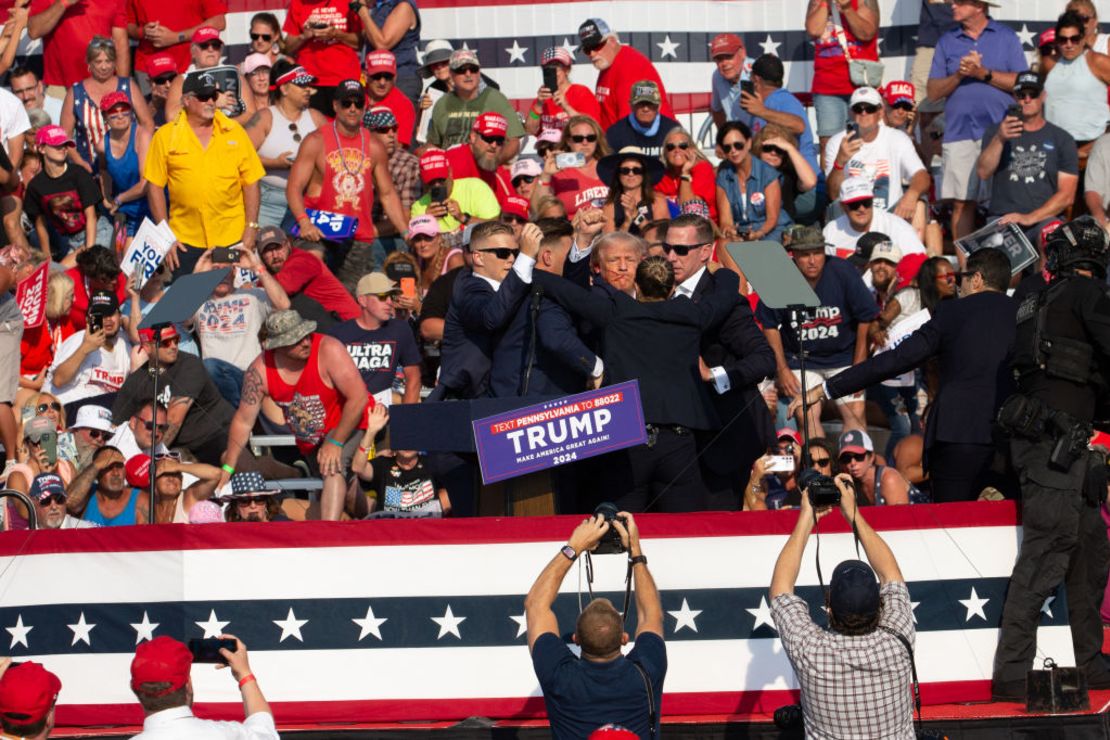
<point>1080,243</point>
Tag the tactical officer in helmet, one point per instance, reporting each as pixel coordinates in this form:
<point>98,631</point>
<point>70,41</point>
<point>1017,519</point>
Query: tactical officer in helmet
<point>1062,358</point>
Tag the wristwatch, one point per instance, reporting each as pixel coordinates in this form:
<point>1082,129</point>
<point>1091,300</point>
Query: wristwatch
<point>637,560</point>
<point>569,553</point>
<point>686,178</point>
<point>988,76</point>
<point>181,38</point>
<point>254,225</point>
<point>465,219</point>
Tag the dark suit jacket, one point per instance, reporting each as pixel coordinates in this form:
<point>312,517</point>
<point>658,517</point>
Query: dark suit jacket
<point>973,338</point>
<point>656,343</point>
<point>739,347</point>
<point>562,360</point>
<point>476,317</point>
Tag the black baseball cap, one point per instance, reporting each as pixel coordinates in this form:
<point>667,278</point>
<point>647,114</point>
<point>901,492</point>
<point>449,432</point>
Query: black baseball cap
<point>865,245</point>
<point>103,303</point>
<point>199,83</point>
<point>1028,81</point>
<point>349,89</point>
<point>592,33</point>
<point>853,590</point>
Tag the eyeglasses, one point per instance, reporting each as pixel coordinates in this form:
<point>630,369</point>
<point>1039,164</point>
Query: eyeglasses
<point>512,218</point>
<point>848,457</point>
<point>493,140</point>
<point>386,296</point>
<point>903,106</point>
<point>469,69</point>
<point>386,130</point>
<point>737,145</point>
<point>44,407</point>
<point>100,42</point>
<point>580,138</point>
<point>169,341</point>
<point>592,48</point>
<point>98,433</point>
<point>167,455</point>
<point>352,103</point>
<point>381,76</point>
<point>822,462</point>
<point>206,97</point>
<point>631,170</point>
<point>150,425</point>
<point>296,133</point>
<point>860,204</point>
<point>681,249</point>
<point>1065,40</point>
<point>261,37</point>
<point>770,149</point>
<point>211,45</point>
<point>683,145</point>
<point>254,501</point>
<point>523,178</point>
<point>859,108</point>
<point>164,79</point>
<point>502,253</point>
<point>55,498</point>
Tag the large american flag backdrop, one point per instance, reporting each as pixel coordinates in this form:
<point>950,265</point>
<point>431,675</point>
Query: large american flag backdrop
<point>509,35</point>
<point>406,620</point>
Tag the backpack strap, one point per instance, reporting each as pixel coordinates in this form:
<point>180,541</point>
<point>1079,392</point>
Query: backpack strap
<point>913,671</point>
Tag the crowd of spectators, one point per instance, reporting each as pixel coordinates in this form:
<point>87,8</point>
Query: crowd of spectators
<point>398,231</point>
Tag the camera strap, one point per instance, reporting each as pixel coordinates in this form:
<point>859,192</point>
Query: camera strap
<point>650,698</point>
<point>913,672</point>
<point>590,585</point>
<point>817,553</point>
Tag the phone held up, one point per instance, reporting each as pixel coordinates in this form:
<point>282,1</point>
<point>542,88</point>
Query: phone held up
<point>207,650</point>
<point>565,160</point>
<point>225,255</point>
<point>438,192</point>
<point>550,78</point>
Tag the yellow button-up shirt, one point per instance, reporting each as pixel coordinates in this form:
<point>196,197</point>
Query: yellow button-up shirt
<point>206,184</point>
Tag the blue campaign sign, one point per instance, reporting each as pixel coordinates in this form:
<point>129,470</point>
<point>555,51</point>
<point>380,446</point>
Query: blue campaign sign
<point>331,225</point>
<point>556,432</point>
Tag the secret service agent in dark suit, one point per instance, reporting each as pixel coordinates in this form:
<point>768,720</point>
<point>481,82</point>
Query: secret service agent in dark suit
<point>974,340</point>
<point>657,342</point>
<point>540,354</point>
<point>484,300</point>
<point>735,357</point>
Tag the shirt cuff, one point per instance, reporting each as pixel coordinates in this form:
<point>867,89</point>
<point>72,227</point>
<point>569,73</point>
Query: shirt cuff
<point>720,379</point>
<point>523,265</point>
<point>599,368</point>
<point>577,254</point>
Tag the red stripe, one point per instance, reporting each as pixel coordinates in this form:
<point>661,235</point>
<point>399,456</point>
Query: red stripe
<point>482,530</point>
<point>733,705</point>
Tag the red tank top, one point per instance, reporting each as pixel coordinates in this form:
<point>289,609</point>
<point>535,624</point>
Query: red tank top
<point>311,408</point>
<point>348,182</point>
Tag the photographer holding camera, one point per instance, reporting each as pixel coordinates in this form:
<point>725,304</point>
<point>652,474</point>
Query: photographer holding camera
<point>603,686</point>
<point>855,675</point>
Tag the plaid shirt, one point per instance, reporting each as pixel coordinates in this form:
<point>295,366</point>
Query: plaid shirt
<point>852,687</point>
<point>404,170</point>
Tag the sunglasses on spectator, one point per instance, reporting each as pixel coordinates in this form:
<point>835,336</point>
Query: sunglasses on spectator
<point>149,425</point>
<point>296,133</point>
<point>387,296</point>
<point>631,170</point>
<point>529,179</point>
<point>100,42</point>
<point>57,498</point>
<point>771,149</point>
<point>386,130</point>
<point>859,108</point>
<point>681,249</point>
<point>42,408</point>
<point>98,434</point>
<point>591,48</point>
<point>254,501</point>
<point>168,456</point>
<point>903,106</point>
<point>822,462</point>
<point>352,103</point>
<point>469,69</point>
<point>169,341</point>
<point>261,37</point>
<point>211,45</point>
<point>164,79</point>
<point>381,76</point>
<point>737,145</point>
<point>859,204</point>
<point>502,253</point>
<point>207,97</point>
<point>947,277</point>
<point>1065,40</point>
<point>671,146</point>
<point>493,140</point>
<point>848,457</point>
<point>580,138</point>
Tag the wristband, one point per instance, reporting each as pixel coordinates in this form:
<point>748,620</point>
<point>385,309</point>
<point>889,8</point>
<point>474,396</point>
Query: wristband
<point>686,178</point>
<point>337,444</point>
<point>246,680</point>
<point>228,469</point>
<point>638,560</point>
<point>304,218</point>
<point>838,166</point>
<point>532,114</point>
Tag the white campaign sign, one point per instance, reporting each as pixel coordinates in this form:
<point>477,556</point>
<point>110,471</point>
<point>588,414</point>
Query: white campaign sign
<point>148,249</point>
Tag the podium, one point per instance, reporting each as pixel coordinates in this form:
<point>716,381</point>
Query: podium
<point>446,427</point>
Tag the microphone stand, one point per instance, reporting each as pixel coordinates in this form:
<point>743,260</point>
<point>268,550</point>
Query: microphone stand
<point>798,315</point>
<point>155,371</point>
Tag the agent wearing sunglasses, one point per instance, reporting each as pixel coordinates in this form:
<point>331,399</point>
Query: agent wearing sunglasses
<point>644,127</point>
<point>453,115</point>
<point>1032,164</point>
<point>212,178</point>
<point>884,154</point>
<point>1076,86</point>
<point>875,484</point>
<point>341,168</point>
<point>382,90</point>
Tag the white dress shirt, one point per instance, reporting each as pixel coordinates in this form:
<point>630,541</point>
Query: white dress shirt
<point>180,724</point>
<point>686,290</point>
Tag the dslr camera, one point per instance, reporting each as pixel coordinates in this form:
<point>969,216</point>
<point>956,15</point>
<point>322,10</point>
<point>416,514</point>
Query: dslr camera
<point>822,489</point>
<point>611,542</point>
